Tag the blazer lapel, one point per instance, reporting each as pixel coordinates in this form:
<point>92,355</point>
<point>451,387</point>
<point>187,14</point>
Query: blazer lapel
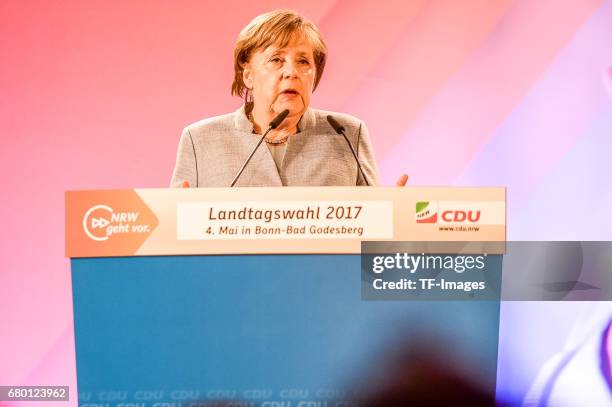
<point>264,171</point>
<point>298,147</point>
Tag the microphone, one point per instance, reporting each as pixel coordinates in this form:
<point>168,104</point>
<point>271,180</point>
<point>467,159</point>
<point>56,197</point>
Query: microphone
<point>273,125</point>
<point>338,128</point>
<point>278,119</point>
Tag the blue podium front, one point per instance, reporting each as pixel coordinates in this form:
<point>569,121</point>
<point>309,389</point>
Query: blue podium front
<point>261,329</point>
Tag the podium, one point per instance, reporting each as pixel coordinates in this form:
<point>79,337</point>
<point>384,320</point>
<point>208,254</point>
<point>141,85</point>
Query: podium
<point>252,296</point>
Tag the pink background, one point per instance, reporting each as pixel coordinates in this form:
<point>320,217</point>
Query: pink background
<point>94,96</point>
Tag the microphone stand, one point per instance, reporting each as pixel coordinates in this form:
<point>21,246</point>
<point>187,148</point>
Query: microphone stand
<point>273,124</point>
<point>340,130</point>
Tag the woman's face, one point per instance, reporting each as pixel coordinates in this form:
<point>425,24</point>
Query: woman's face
<point>282,78</point>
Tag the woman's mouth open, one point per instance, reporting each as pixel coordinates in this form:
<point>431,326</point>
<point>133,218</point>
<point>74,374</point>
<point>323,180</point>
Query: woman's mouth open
<point>290,93</point>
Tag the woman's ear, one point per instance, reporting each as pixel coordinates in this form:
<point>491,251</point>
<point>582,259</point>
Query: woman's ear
<point>247,76</point>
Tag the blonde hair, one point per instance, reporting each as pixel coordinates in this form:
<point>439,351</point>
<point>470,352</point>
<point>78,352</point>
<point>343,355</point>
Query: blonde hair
<point>276,27</point>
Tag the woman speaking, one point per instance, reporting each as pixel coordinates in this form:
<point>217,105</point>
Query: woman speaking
<point>278,62</point>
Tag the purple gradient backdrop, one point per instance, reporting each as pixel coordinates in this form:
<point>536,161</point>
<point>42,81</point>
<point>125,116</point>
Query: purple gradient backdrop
<point>486,93</point>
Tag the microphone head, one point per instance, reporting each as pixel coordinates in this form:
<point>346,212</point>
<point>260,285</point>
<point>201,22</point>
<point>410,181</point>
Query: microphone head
<point>338,128</point>
<point>279,119</point>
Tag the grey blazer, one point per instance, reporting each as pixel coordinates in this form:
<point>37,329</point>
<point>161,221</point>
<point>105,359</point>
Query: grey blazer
<point>211,152</point>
